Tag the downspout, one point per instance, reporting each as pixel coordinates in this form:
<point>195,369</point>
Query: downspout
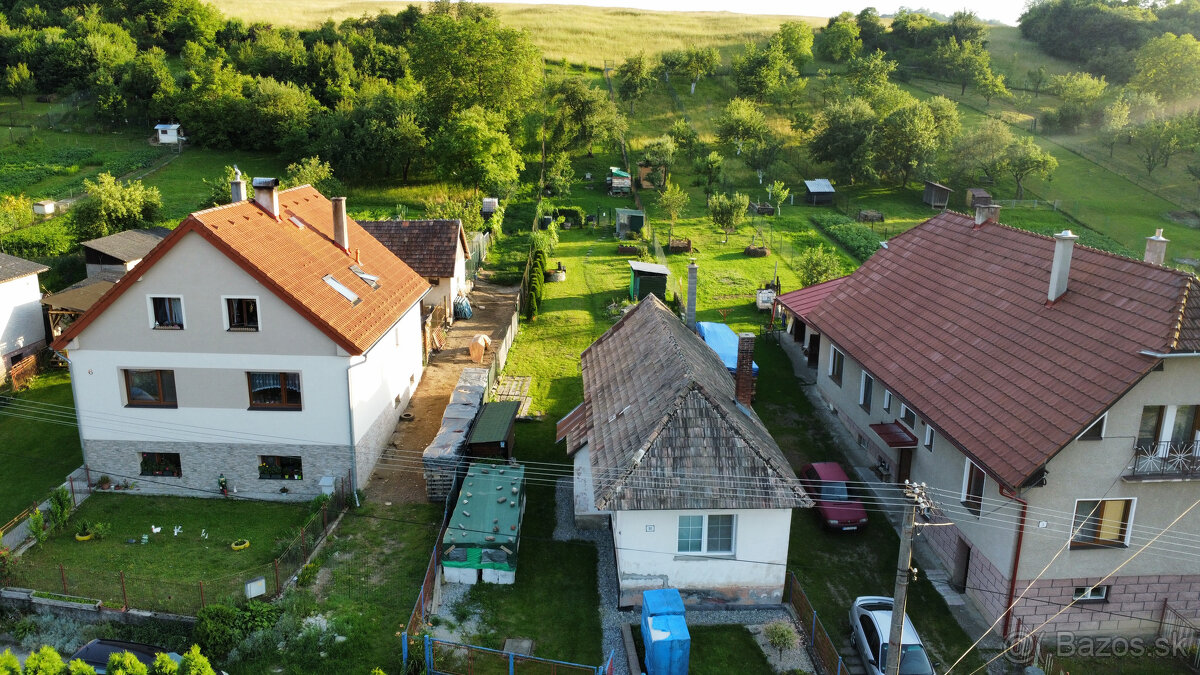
<point>1012,581</point>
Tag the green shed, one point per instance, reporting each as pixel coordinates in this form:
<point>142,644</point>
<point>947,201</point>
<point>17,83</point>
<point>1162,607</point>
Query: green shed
<point>484,533</point>
<point>493,433</point>
<point>647,278</point>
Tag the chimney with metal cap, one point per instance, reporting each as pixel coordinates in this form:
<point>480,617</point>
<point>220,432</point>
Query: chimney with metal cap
<point>266,193</point>
<point>693,271</point>
<point>986,213</point>
<point>341,233</point>
<point>1156,248</point>
<point>237,186</point>
<point>1060,269</point>
<point>743,379</point>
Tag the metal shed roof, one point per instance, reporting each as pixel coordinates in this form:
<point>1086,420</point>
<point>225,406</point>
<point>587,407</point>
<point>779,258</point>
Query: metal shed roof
<point>649,268</point>
<point>819,185</point>
<point>160,127</point>
<point>488,513</point>
<point>494,422</point>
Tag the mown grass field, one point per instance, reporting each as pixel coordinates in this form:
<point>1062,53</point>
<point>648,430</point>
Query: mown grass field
<point>40,443</point>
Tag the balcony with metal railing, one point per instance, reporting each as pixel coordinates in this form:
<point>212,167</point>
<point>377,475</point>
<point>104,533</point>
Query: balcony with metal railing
<point>1164,461</point>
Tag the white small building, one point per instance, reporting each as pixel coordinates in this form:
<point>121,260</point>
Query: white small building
<point>435,249</point>
<point>271,342</point>
<point>664,446</point>
<point>168,134</point>
<point>22,332</point>
<point>44,207</point>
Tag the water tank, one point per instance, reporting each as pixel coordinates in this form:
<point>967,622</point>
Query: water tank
<point>668,645</point>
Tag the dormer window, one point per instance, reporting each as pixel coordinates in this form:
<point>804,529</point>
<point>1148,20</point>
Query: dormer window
<point>166,313</point>
<point>340,288</point>
<point>371,280</point>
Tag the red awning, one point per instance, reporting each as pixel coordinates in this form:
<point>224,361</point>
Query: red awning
<point>896,435</point>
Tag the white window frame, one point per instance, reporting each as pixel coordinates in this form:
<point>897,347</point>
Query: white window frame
<point>150,309</point>
<point>1090,594</point>
<point>1103,422</point>
<point>704,525</point>
<point>967,465</point>
<point>225,310</point>
<point>929,437</point>
<point>904,410</point>
<point>887,400</point>
<point>834,353</point>
<point>864,399</point>
<point>1128,521</point>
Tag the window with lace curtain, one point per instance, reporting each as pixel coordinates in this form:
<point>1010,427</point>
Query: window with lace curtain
<point>274,391</point>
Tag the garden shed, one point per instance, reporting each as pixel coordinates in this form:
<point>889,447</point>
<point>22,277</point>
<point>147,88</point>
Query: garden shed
<point>481,540</point>
<point>629,221</point>
<point>167,134</point>
<point>44,207</point>
<point>818,191</point>
<point>619,182</point>
<point>489,208</point>
<point>978,197</point>
<point>647,278</point>
<point>937,195</point>
<point>494,433</point>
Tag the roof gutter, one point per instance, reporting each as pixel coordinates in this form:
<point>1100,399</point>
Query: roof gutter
<point>1172,355</point>
<point>1012,581</point>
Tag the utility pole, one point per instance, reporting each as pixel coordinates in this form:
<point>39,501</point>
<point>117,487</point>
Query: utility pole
<point>915,492</point>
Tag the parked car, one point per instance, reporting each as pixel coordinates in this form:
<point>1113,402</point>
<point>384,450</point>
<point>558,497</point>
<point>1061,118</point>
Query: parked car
<point>827,484</point>
<point>96,653</point>
<point>870,626</point>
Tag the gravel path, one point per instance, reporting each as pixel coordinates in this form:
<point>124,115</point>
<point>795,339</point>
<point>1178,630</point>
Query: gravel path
<point>611,619</point>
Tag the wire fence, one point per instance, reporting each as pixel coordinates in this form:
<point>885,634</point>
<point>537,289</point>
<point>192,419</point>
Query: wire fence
<point>137,588</point>
<point>452,658</point>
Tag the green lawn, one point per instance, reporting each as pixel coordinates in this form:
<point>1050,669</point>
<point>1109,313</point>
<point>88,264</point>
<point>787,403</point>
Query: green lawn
<point>165,573</point>
<point>1146,665</point>
<point>40,442</point>
<point>717,650</point>
<point>181,181</point>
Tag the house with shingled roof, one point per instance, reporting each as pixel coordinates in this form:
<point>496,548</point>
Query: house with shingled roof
<point>435,249</point>
<point>108,258</point>
<point>1048,394</point>
<point>668,451</point>
<point>22,332</point>
<point>270,341</point>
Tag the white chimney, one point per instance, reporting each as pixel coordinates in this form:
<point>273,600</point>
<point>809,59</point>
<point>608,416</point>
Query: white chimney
<point>693,271</point>
<point>1064,244</point>
<point>986,213</point>
<point>266,193</point>
<point>1156,248</point>
<point>237,186</point>
<point>341,233</point>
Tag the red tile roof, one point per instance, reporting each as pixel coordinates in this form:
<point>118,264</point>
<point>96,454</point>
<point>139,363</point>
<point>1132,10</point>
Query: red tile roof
<point>802,301</point>
<point>292,261</point>
<point>953,319</point>
<point>428,246</point>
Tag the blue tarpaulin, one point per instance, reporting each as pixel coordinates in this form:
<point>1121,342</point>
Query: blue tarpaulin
<point>724,342</point>
<point>462,307</point>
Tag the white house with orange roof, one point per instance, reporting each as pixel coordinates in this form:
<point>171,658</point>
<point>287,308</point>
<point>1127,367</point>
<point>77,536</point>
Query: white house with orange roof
<point>271,341</point>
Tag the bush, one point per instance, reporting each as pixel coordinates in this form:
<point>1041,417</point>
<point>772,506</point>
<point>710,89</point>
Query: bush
<point>37,526</point>
<point>60,507</point>
<point>218,629</point>
<point>573,214</point>
<point>858,240</point>
<point>319,502</point>
<point>307,575</point>
<point>46,240</point>
<point>781,635</point>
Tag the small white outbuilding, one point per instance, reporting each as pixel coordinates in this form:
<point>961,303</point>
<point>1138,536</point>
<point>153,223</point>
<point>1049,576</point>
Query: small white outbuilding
<point>168,134</point>
<point>44,207</point>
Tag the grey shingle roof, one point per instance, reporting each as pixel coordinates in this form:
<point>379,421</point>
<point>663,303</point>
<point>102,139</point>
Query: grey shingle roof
<point>663,428</point>
<point>129,245</point>
<point>428,246</point>
<point>12,267</point>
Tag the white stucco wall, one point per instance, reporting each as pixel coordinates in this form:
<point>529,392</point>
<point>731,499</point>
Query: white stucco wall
<point>20,315</point>
<point>646,547</point>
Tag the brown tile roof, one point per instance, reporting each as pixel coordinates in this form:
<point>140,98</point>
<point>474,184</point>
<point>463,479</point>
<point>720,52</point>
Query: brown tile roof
<point>663,428</point>
<point>292,261</point>
<point>12,267</point>
<point>129,245</point>
<point>954,321</point>
<point>428,246</point>
<point>78,297</point>
<point>804,300</point>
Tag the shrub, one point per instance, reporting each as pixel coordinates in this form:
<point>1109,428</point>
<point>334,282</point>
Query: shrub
<point>572,214</point>
<point>44,661</point>
<point>218,629</point>
<point>37,526</point>
<point>308,574</point>
<point>858,240</point>
<point>319,502</point>
<point>781,635</point>
<point>45,240</point>
<point>60,507</point>
<point>15,212</point>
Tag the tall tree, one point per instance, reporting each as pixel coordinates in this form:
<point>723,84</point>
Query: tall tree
<point>560,174</point>
<point>474,150</point>
<point>637,78</point>
<point>1169,67</point>
<point>991,85</point>
<point>728,212</point>
<point>870,28</point>
<point>673,199</point>
<point>963,62</point>
<point>982,149</point>
<point>710,171</point>
<point>1036,79</point>
<point>846,139</point>
<point>780,191</point>
<point>113,207</point>
<point>700,61</point>
<point>583,115</point>
<point>18,82</point>
<point>671,61</point>
<point>907,141</point>
<point>839,41</point>
<point>741,123</point>
<point>946,118</point>
<point>796,39</point>
<point>1158,141</point>
<point>1024,158</point>
<point>761,72</point>
<point>1115,123</point>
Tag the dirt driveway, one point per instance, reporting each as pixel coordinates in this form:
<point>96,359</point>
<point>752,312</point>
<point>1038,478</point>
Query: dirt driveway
<point>398,477</point>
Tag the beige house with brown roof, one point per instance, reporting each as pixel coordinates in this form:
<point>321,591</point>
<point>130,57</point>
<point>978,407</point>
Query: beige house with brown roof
<point>435,249</point>
<point>1049,395</point>
<point>271,341</point>
<point>669,453</point>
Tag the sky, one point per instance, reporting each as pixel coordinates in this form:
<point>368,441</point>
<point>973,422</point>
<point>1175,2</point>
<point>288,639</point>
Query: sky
<point>1006,11</point>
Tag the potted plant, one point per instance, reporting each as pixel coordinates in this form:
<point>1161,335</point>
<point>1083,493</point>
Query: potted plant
<point>104,482</point>
<point>86,530</point>
<point>240,544</point>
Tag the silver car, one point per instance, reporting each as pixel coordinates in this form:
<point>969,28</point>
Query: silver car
<point>870,626</point>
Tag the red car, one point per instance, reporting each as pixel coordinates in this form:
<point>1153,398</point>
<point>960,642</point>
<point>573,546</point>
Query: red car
<point>827,484</point>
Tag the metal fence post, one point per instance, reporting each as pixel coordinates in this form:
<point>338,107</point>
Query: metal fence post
<point>428,653</point>
<point>510,664</point>
<point>201,595</point>
<point>303,544</point>
<point>278,588</point>
<point>404,649</point>
<point>124,595</point>
<point>71,482</point>
<point>839,670</point>
<point>63,573</point>
<point>813,638</point>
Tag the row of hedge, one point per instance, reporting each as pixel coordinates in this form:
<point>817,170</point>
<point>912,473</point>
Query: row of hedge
<point>858,240</point>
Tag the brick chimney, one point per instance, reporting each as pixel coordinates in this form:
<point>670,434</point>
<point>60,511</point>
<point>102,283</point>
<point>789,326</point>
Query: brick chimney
<point>1060,269</point>
<point>237,186</point>
<point>266,194</point>
<point>1156,248</point>
<point>986,213</point>
<point>341,233</point>
<point>743,380</point>
<point>693,271</point>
